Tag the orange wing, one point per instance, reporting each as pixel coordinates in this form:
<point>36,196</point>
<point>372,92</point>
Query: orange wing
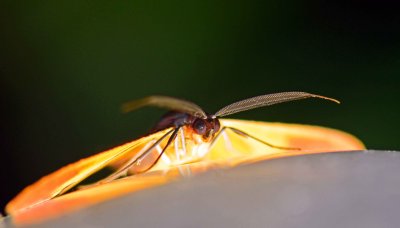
<point>39,200</point>
<point>310,139</point>
<point>69,176</point>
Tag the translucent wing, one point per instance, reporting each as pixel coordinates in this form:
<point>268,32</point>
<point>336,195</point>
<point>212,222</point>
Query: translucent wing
<point>311,139</point>
<point>69,176</point>
<point>266,100</point>
<point>165,102</point>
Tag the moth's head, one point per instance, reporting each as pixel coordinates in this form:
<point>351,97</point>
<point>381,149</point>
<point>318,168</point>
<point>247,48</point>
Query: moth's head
<point>207,127</point>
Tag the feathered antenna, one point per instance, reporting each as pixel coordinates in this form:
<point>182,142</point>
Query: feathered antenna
<point>165,102</point>
<point>266,100</point>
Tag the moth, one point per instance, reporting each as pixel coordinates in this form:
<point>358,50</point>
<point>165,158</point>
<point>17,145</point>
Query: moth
<point>189,124</point>
<point>185,134</point>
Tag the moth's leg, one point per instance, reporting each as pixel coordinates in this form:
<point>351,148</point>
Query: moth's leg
<point>123,170</point>
<point>176,145</point>
<point>218,135</point>
<point>171,138</point>
<point>180,146</point>
<point>183,141</point>
<point>166,159</point>
<point>244,134</point>
<point>228,142</point>
<point>180,139</point>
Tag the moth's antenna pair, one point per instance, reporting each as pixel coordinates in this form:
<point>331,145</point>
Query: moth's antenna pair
<point>172,103</point>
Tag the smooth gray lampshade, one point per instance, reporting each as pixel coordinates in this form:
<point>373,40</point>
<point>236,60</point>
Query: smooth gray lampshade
<point>354,189</point>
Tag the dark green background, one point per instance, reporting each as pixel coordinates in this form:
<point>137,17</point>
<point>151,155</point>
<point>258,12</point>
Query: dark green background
<point>66,66</point>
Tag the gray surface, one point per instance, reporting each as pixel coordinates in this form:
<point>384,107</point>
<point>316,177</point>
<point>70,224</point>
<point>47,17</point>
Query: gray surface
<point>358,189</point>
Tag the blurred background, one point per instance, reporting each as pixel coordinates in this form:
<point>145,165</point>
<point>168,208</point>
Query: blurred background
<point>67,66</point>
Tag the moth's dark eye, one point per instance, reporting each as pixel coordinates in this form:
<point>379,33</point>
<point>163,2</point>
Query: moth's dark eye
<point>199,126</point>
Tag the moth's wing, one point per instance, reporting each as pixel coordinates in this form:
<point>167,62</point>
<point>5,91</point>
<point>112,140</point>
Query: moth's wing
<point>310,139</point>
<point>69,176</point>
